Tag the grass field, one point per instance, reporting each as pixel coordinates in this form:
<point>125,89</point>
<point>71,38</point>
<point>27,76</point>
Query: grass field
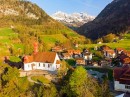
<point>124,43</point>
<point>8,39</point>
<point>41,79</point>
<point>53,38</point>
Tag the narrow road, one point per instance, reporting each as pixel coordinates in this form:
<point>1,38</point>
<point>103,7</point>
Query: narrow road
<point>40,83</point>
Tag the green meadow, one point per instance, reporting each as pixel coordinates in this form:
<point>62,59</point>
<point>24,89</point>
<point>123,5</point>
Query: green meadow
<point>8,38</point>
<point>123,43</point>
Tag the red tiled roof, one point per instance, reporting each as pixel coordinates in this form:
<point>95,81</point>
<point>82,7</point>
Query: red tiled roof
<point>28,59</point>
<point>105,47</point>
<point>122,75</point>
<point>79,59</point>
<point>120,49</point>
<point>57,49</point>
<point>47,57</point>
<point>128,53</point>
<point>74,51</point>
<point>110,51</point>
<point>66,54</point>
<point>126,60</point>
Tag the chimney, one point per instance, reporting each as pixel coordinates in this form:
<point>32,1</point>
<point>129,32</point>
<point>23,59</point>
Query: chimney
<point>25,59</point>
<point>35,45</point>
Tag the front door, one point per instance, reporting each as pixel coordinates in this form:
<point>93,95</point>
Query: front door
<point>32,66</point>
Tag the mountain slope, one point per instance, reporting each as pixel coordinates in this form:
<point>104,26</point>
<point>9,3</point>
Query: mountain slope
<point>30,23</point>
<point>115,18</point>
<point>72,20</point>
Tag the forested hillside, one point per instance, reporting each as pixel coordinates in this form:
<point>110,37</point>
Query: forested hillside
<point>114,18</point>
<point>30,23</point>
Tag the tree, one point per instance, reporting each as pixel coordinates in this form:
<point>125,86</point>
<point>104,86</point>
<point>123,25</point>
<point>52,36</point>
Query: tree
<point>50,91</point>
<point>99,54</point>
<point>99,40</point>
<point>10,82</point>
<point>108,38</point>
<point>76,84</point>
<point>63,69</point>
<point>87,41</point>
<point>44,91</point>
<point>105,89</point>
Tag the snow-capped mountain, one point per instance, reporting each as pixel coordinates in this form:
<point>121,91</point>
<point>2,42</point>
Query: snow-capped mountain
<point>72,20</point>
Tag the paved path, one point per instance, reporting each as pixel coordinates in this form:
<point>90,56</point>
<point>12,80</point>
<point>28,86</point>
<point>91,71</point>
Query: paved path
<point>30,80</point>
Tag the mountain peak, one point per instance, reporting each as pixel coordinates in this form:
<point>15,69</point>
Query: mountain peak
<point>74,19</point>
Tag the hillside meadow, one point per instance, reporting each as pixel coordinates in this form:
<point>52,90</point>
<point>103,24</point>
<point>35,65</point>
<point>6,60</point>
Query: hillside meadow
<point>123,43</point>
<point>15,43</point>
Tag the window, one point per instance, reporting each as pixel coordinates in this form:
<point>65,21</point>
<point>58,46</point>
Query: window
<point>28,66</point>
<point>48,65</point>
<point>39,64</point>
<point>127,87</point>
<point>43,65</point>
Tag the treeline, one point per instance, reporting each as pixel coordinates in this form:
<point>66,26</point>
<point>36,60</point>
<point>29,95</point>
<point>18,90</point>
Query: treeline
<point>76,83</point>
<point>107,39</point>
<point>12,85</point>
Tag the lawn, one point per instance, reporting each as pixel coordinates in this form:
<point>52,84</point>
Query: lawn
<point>40,79</point>
<point>8,38</point>
<point>15,59</point>
<point>54,38</point>
<point>124,43</point>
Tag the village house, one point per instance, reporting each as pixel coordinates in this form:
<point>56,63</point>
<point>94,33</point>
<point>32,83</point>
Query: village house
<point>108,52</point>
<point>57,49</point>
<point>66,56</point>
<point>122,78</point>
<point>127,53</point>
<point>104,47</point>
<point>119,50</point>
<point>74,53</point>
<point>87,56</point>
<point>95,64</point>
<point>124,58</point>
<point>41,61</point>
<point>126,94</point>
<point>80,61</point>
<point>76,45</point>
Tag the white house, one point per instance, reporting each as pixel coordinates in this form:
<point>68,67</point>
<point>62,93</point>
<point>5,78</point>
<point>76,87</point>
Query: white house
<point>87,56</point>
<point>122,79</point>
<point>109,53</point>
<point>42,61</point>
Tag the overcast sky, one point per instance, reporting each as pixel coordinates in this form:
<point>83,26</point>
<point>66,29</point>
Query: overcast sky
<point>92,7</point>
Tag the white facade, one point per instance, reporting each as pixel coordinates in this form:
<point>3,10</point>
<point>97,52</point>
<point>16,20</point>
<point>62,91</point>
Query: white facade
<point>121,87</point>
<point>88,57</point>
<point>109,55</point>
<point>43,66</point>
